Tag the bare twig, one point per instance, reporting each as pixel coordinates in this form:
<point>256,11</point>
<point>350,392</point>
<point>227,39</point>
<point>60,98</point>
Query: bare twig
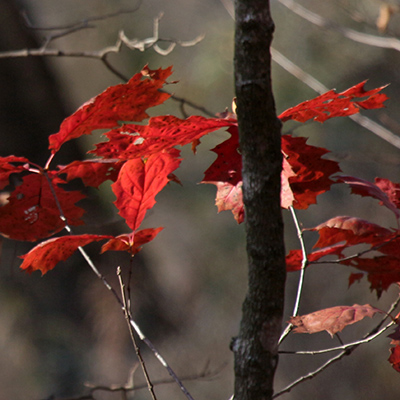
<point>134,325</point>
<point>302,272</point>
<point>346,350</point>
<point>314,18</point>
<point>128,317</point>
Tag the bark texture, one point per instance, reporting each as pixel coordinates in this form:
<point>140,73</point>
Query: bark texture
<point>255,348</point>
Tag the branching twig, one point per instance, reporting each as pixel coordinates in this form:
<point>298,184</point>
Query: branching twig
<point>134,325</point>
<point>128,317</point>
<point>347,350</point>
<point>302,272</point>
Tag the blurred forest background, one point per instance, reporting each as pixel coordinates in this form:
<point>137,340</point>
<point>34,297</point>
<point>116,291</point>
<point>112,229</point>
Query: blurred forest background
<point>64,329</point>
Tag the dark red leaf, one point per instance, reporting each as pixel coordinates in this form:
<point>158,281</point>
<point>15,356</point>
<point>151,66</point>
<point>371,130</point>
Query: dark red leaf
<point>380,191</point>
<point>32,213</point>
<point>394,358</point>
<point>7,168</point>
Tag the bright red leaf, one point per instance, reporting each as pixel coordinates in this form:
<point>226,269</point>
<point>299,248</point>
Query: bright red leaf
<point>332,319</point>
<point>131,243</point>
<point>332,104</point>
<point>161,133</point>
<point>46,255</point>
<point>32,213</point>
<point>92,172</point>
<point>124,102</point>
<point>139,182</point>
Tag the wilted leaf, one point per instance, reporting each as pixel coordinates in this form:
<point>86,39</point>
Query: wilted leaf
<point>384,191</point>
<point>332,319</point>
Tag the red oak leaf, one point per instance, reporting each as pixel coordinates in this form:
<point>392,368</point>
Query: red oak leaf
<point>382,271</point>
<point>295,257</point>
<point>227,167</point>
<point>332,319</point>
<point>350,230</point>
<point>332,104</point>
<point>131,243</point>
<point>92,172</point>
<point>32,212</point>
<point>384,191</point>
<point>7,168</point>
<point>124,102</point>
<point>309,174</point>
<point>230,197</point>
<point>394,358</point>
<point>46,255</point>
<point>161,133</point>
<point>139,182</point>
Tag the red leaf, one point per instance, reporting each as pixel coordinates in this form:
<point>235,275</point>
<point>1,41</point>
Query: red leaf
<point>124,102</point>
<point>92,172</point>
<point>332,319</point>
<point>32,213</point>
<point>394,358</point>
<point>7,168</point>
<point>139,182</point>
<point>131,243</point>
<point>46,255</point>
<point>227,167</point>
<point>384,191</point>
<point>161,133</point>
<point>332,104</point>
<point>350,230</point>
<point>382,271</point>
<point>295,257</point>
<point>230,197</point>
<point>309,174</point>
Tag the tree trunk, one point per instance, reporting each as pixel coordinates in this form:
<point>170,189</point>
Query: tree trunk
<point>256,347</point>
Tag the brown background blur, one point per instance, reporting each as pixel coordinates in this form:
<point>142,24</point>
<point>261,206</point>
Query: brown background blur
<point>64,329</point>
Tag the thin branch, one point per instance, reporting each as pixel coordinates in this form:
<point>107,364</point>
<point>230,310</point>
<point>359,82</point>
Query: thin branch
<point>374,333</point>
<point>142,337</point>
<point>359,37</point>
<point>304,264</point>
<point>137,349</point>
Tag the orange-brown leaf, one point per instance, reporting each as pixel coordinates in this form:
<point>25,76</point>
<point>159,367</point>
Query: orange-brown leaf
<point>332,319</point>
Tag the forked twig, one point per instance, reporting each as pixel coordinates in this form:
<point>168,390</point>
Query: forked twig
<point>346,350</point>
<point>128,317</point>
<point>134,325</point>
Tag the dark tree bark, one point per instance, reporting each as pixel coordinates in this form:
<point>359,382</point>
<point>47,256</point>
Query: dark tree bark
<point>255,348</point>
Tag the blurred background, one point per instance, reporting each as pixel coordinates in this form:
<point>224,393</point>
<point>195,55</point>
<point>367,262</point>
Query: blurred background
<point>64,330</point>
